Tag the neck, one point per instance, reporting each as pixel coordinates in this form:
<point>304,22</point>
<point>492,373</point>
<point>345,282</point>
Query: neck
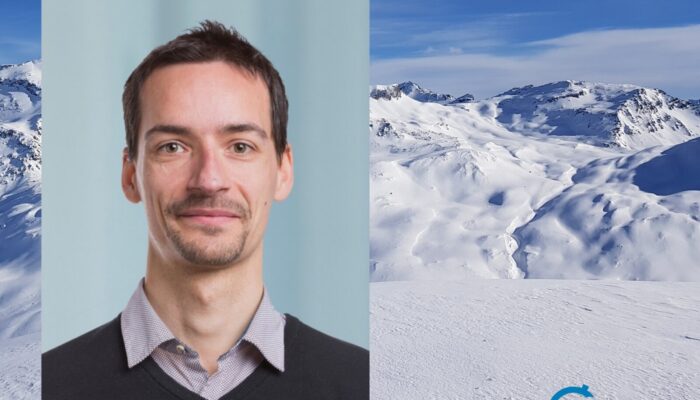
<point>207,309</point>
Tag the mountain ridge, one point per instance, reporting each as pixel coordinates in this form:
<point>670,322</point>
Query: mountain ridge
<point>623,115</point>
<point>415,92</point>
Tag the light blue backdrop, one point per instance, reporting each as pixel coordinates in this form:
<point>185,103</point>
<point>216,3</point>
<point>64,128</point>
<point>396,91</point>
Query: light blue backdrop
<point>94,241</point>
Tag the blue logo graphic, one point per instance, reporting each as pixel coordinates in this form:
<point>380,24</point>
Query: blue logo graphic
<point>583,391</point>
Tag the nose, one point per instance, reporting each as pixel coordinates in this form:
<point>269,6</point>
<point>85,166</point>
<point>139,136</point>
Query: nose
<point>208,173</point>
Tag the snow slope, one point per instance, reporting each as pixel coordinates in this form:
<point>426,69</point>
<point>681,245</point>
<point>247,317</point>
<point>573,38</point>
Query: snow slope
<point>20,230</point>
<point>20,378</point>
<point>526,339</point>
<point>570,180</point>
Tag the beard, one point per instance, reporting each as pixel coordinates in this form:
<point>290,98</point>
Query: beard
<point>201,251</point>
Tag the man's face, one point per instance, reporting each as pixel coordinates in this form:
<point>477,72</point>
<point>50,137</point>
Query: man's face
<point>206,167</point>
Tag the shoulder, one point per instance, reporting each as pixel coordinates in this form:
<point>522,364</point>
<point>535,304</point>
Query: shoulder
<point>97,357</point>
<point>328,364</point>
<point>104,340</point>
<point>324,348</point>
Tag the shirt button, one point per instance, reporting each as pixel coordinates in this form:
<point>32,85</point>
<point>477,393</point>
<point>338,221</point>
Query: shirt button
<point>180,349</point>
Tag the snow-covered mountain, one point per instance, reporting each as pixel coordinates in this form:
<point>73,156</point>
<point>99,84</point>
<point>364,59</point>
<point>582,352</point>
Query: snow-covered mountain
<point>415,92</point>
<point>20,122</point>
<point>565,180</point>
<point>628,116</point>
<point>20,228</point>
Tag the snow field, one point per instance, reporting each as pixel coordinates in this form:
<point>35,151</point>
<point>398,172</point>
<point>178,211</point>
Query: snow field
<point>526,339</point>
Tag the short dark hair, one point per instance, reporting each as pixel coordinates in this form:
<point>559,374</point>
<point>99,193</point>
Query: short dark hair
<point>210,41</point>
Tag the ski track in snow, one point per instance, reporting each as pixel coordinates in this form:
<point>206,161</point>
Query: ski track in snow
<point>526,339</point>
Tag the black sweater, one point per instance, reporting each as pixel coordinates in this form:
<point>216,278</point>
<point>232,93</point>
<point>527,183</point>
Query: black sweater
<point>94,366</point>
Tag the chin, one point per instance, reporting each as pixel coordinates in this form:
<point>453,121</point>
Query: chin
<point>211,254</point>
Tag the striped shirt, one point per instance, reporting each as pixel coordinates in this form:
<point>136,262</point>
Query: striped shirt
<point>145,334</point>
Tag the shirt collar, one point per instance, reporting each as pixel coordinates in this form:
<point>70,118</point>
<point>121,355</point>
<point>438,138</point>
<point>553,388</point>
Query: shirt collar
<point>143,330</point>
<point>266,332</point>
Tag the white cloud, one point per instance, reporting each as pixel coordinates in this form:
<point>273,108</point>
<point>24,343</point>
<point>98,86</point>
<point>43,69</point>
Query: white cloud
<point>664,58</point>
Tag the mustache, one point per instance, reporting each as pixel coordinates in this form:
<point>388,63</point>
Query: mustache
<point>197,200</point>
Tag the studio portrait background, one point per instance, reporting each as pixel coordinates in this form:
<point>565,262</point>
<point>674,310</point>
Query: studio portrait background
<point>94,240</point>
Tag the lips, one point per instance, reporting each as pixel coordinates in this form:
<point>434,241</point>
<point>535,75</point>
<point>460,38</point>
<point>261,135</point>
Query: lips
<point>208,216</point>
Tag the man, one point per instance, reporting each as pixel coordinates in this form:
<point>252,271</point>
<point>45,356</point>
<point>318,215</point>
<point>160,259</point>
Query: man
<point>205,118</point>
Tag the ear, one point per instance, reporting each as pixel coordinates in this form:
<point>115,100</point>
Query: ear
<point>129,187</point>
<point>285,174</point>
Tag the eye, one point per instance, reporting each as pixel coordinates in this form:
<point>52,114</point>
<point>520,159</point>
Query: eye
<point>171,147</point>
<point>241,148</point>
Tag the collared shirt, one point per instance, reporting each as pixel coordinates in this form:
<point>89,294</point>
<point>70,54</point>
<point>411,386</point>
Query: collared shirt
<point>145,334</point>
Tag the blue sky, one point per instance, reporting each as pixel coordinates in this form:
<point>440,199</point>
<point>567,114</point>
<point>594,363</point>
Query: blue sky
<point>20,31</point>
<point>488,47</point>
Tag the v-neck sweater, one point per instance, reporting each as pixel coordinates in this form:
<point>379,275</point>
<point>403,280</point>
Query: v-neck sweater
<point>94,366</point>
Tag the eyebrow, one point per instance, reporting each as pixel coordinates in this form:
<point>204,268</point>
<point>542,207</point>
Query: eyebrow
<point>247,127</point>
<point>230,128</point>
